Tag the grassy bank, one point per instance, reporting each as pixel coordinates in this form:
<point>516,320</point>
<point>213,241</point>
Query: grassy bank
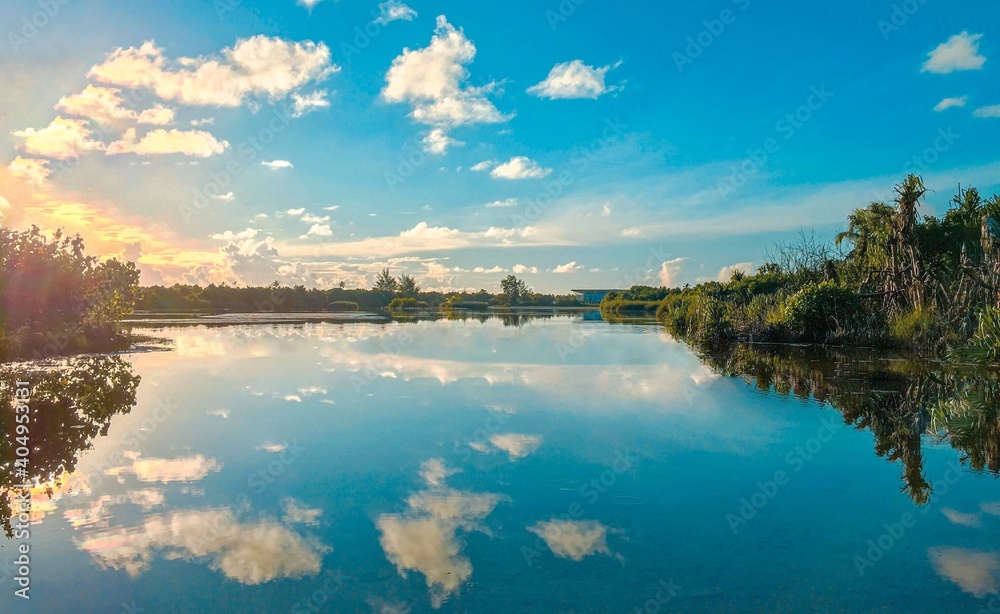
<point>894,278</point>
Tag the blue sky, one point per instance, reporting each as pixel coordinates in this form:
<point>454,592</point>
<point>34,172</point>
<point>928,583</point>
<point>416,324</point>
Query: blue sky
<point>576,144</point>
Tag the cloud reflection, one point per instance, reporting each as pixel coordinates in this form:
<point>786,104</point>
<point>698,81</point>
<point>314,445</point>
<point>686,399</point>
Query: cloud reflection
<point>246,552</point>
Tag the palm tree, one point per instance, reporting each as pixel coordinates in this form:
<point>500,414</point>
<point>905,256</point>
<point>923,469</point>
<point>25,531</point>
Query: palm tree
<point>407,285</point>
<point>385,282</point>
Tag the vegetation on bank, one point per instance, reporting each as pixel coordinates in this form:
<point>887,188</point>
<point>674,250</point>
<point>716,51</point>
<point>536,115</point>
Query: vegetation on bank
<point>56,300</point>
<point>388,292</point>
<point>893,278</point>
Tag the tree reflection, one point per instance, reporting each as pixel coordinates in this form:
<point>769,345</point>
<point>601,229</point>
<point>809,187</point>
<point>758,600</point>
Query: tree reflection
<point>71,404</point>
<point>899,401</point>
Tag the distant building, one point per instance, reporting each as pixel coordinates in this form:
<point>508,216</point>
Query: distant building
<point>593,297</point>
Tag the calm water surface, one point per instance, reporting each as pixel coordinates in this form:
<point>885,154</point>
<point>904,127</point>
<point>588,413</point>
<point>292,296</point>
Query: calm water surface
<point>560,465</point>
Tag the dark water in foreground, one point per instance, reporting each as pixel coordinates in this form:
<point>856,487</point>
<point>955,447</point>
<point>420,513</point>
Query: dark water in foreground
<point>561,464</point>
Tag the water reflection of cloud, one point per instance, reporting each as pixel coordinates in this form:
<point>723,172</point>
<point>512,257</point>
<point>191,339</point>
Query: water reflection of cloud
<point>183,469</point>
<point>973,571</point>
<point>425,538</point>
<point>573,539</point>
<point>297,513</point>
<point>434,471</point>
<point>962,518</point>
<point>246,552</point>
<point>516,444</point>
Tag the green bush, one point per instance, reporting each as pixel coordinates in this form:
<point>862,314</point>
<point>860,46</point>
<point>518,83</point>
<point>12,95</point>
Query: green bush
<point>816,311</point>
<point>342,306</point>
<point>402,304</point>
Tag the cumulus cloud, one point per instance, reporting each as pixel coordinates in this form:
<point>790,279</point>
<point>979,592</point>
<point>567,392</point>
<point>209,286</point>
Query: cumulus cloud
<point>948,103</point>
<point>432,80</point>
<point>485,165</point>
<point>436,142</point>
<point>973,571</point>
<point>520,269</point>
<point>394,10</point>
<point>183,469</point>
<point>573,539</point>
<point>573,80</point>
<point>520,167</point>
<point>62,139</point>
<point>319,230</point>
<point>671,271</point>
<point>633,232</point>
<point>275,165</point>
<point>510,202</point>
<point>160,142</point>
<point>105,105</point>
<point>250,553</point>
<point>960,52</point>
<point>32,170</point>
<point>260,66</point>
<point>569,267</point>
<point>990,111</point>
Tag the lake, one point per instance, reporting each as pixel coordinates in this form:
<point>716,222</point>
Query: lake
<point>548,464</point>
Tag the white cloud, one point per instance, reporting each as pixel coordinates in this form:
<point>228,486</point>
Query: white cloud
<point>485,165</point>
<point>990,111</point>
<point>159,142</point>
<point>229,235</point>
<point>32,170</point>
<point>277,164</point>
<point>437,142</point>
<point>259,66</point>
<point>309,4</point>
<point>309,218</point>
<point>62,139</point>
<point>671,271</point>
<point>573,539</point>
<point>432,81</point>
<point>520,269</point>
<point>205,121</point>
<point>228,196</point>
<point>569,267</point>
<point>520,167</point>
<point>295,212</point>
<point>307,103</point>
<point>974,572</point>
<point>250,553</point>
<point>573,80</point>
<point>948,103</point>
<point>394,10</point>
<point>960,52</point>
<point>633,232</point>
<point>510,202</point>
<point>319,230</point>
<point>105,105</point>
